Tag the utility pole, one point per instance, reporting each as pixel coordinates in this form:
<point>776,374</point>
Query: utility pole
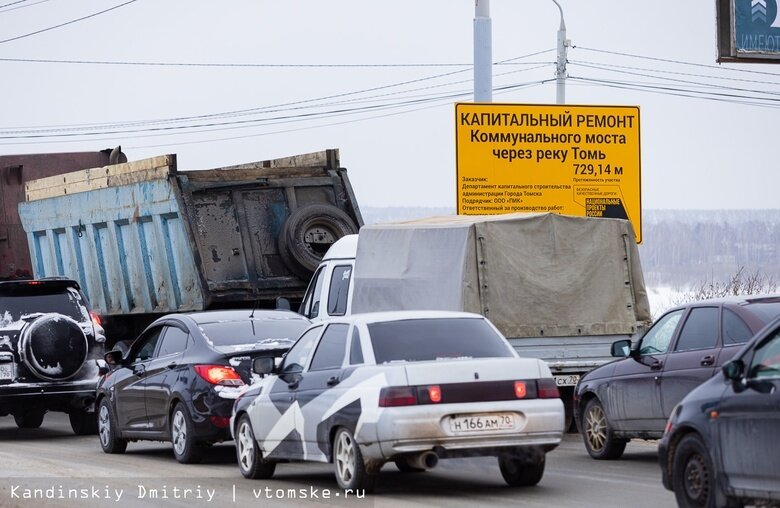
<point>483,52</point>
<point>560,68</point>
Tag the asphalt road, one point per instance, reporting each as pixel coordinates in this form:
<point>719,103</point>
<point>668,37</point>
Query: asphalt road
<point>77,473</point>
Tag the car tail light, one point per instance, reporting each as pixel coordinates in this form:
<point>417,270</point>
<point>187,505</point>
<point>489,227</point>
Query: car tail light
<point>219,375</point>
<point>547,389</point>
<point>520,389</point>
<point>434,394</point>
<point>220,421</point>
<point>395,396</point>
<point>96,319</point>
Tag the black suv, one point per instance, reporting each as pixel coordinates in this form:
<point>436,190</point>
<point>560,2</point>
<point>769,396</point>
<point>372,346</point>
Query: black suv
<point>51,350</point>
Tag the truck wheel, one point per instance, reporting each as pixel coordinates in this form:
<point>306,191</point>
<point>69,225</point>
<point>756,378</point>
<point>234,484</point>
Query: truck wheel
<point>83,423</point>
<point>308,233</point>
<point>519,472</point>
<point>598,435</point>
<point>31,419</point>
<point>108,431</point>
<point>351,471</point>
<point>250,461</point>
<point>185,449</point>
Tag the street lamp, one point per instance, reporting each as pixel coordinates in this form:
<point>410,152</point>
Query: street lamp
<point>560,67</point>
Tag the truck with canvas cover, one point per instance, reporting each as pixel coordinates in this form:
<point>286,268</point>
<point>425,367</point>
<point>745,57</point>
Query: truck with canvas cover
<point>145,238</point>
<point>560,288</point>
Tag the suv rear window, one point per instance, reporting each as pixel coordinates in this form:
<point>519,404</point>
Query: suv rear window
<point>65,302</point>
<point>420,340</point>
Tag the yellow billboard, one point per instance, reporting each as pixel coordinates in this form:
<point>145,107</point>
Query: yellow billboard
<point>574,160</point>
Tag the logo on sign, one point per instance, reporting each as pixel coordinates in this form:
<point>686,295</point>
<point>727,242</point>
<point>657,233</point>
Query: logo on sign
<point>759,13</point>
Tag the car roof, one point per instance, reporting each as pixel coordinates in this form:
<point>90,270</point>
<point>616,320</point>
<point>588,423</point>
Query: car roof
<point>9,286</point>
<point>381,317</point>
<point>219,316</point>
<point>732,300</point>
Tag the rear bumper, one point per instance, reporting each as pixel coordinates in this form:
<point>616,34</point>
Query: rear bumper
<point>413,429</point>
<point>65,396</point>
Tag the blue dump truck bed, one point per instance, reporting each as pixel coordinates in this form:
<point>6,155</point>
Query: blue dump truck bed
<point>144,239</point>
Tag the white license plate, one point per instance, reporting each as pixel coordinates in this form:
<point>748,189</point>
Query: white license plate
<point>482,423</point>
<point>569,380</point>
<point>6,371</point>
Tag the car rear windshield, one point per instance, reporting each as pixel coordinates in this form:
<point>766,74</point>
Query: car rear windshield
<point>260,332</point>
<point>765,310</point>
<point>420,340</point>
<point>67,303</point>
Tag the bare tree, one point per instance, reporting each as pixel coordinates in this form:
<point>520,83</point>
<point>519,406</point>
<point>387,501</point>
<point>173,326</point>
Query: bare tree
<point>743,282</point>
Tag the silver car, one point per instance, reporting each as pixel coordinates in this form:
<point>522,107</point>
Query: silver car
<point>407,387</point>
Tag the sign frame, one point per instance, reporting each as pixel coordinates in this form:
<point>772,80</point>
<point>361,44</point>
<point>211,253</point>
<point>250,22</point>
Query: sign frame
<point>726,29</point>
<point>612,188</point>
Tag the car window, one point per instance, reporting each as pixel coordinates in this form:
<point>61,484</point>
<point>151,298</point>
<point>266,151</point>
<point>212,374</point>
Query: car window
<point>299,354</point>
<point>174,341</point>
<point>419,340</point>
<point>339,290</point>
<point>255,331</point>
<point>700,330</point>
<point>658,338</point>
<point>766,360</point>
<point>147,346</point>
<point>355,349</point>
<point>332,348</point>
<point>312,302</point>
<point>734,329</point>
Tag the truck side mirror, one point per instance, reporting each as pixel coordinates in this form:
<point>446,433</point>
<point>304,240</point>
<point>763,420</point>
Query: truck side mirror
<point>263,365</point>
<point>621,348</point>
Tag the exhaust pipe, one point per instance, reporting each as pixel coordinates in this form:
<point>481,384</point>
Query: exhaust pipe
<point>424,460</point>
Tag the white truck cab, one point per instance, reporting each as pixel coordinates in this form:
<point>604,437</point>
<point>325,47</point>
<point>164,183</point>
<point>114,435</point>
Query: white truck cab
<point>330,291</point>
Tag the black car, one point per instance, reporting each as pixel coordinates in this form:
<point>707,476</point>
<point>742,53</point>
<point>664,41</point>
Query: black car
<point>181,376</point>
<point>634,396</point>
<point>722,442</point>
<point>51,352</point>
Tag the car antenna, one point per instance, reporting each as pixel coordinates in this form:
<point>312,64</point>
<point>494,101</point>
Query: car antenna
<point>254,307</point>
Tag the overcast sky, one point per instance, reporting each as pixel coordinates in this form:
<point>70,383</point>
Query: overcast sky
<point>696,153</point>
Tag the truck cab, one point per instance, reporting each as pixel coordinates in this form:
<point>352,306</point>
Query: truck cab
<point>330,291</point>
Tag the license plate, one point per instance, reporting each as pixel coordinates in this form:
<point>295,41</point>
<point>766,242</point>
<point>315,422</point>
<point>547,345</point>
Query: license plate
<point>569,380</point>
<point>482,423</point>
<point>6,371</point>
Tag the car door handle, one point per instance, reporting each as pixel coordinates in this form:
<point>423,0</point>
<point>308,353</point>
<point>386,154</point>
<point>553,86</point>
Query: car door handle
<point>172,365</point>
<point>139,370</point>
<point>708,361</point>
<point>333,381</point>
<point>656,365</point>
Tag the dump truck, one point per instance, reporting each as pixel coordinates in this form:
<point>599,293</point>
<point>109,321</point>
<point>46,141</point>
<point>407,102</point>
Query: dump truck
<point>560,288</point>
<point>145,239</point>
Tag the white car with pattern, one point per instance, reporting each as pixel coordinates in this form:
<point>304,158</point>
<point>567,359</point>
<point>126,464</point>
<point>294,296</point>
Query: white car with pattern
<point>410,387</point>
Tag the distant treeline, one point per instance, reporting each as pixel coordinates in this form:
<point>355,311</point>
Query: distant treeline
<point>681,247</point>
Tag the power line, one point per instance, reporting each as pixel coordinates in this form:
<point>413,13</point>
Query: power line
<point>680,62</point>
<point>13,3</point>
<point>249,111</point>
<point>23,6</point>
<point>297,118</point>
<point>67,22</point>
<point>253,65</point>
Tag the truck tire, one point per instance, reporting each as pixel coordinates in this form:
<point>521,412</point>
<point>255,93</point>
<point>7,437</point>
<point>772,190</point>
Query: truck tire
<point>308,233</point>
<point>53,347</point>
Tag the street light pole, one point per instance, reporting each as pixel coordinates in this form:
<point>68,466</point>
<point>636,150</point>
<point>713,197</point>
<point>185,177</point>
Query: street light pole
<point>483,52</point>
<point>560,68</point>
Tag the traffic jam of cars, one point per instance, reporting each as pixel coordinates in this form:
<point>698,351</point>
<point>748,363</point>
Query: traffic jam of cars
<point>409,388</point>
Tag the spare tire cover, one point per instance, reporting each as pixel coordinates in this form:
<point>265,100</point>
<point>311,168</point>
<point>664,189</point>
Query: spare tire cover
<point>53,347</point>
<point>308,233</point>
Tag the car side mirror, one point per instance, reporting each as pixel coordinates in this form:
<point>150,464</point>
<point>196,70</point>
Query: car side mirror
<point>621,348</point>
<point>282,303</point>
<point>263,365</point>
<point>113,358</point>
<point>733,370</point>
<point>103,367</point>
